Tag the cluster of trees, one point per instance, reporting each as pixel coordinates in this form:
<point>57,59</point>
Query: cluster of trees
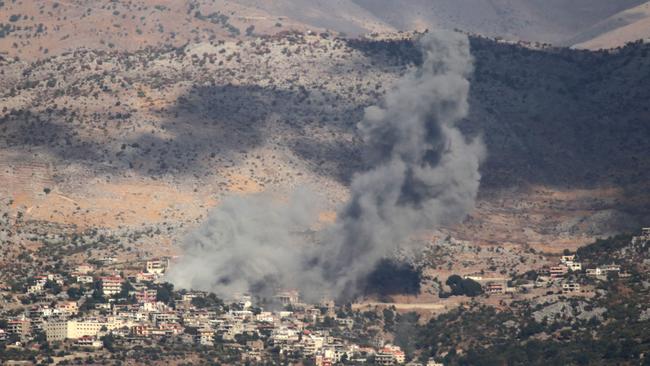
<point>462,287</point>
<point>601,251</point>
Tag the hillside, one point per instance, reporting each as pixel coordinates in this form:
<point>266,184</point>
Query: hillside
<point>144,143</point>
<point>627,26</point>
<point>529,20</point>
<point>35,30</point>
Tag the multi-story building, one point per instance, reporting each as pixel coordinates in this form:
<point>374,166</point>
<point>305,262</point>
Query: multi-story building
<point>284,334</point>
<point>288,297</point>
<point>567,258</point>
<point>88,341</point>
<point>146,295</point>
<point>84,278</point>
<point>311,344</point>
<point>574,266</point>
<point>156,266</point>
<point>611,268</point>
<point>571,287</point>
<point>603,271</point>
<point>205,337</point>
<point>111,285</point>
<point>20,326</point>
<point>390,355</point>
<point>594,272</point>
<point>164,317</point>
<point>335,353</point>
<point>36,288</point>
<point>67,308</point>
<point>145,277</point>
<point>558,271</point>
<point>57,330</point>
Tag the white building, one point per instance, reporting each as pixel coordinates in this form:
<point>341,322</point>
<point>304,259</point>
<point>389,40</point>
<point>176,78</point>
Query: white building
<point>59,330</point>
<point>205,337</point>
<point>312,344</point>
<point>36,288</point>
<point>288,297</point>
<point>571,287</point>
<point>567,258</point>
<point>265,317</point>
<point>84,279</point>
<point>156,266</point>
<point>574,266</point>
<point>67,308</point>
<point>284,335</point>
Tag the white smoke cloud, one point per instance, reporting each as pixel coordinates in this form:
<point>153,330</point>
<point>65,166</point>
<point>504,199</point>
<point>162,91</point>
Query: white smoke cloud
<point>424,173</point>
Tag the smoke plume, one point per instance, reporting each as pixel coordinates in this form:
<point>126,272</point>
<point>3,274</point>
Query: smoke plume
<point>424,174</point>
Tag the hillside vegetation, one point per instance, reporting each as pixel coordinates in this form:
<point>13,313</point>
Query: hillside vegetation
<point>85,133</point>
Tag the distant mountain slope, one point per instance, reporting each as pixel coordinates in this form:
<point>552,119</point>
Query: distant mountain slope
<point>531,20</point>
<point>340,15</point>
<point>35,30</point>
<point>552,21</point>
<point>627,26</point>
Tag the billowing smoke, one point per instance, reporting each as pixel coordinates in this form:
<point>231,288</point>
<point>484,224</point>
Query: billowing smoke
<point>249,243</point>
<point>424,174</point>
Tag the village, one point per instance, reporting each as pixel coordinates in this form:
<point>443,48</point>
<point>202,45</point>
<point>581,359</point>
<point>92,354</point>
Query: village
<point>93,309</point>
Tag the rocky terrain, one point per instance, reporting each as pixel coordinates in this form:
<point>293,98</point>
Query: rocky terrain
<point>150,140</point>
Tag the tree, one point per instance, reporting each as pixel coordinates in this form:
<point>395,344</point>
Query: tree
<point>75,293</point>
<point>54,287</point>
<point>126,288</point>
<point>463,286</point>
<point>109,342</point>
<point>164,293</point>
<point>389,319</point>
<point>406,331</point>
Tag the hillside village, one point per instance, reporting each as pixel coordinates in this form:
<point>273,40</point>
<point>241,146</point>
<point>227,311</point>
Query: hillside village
<point>109,311</point>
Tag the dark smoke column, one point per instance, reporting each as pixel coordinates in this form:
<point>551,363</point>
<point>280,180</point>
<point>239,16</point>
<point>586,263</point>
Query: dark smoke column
<point>425,172</point>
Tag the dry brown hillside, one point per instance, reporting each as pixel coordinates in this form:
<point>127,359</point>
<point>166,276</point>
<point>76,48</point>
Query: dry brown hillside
<point>144,143</point>
<point>34,30</point>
